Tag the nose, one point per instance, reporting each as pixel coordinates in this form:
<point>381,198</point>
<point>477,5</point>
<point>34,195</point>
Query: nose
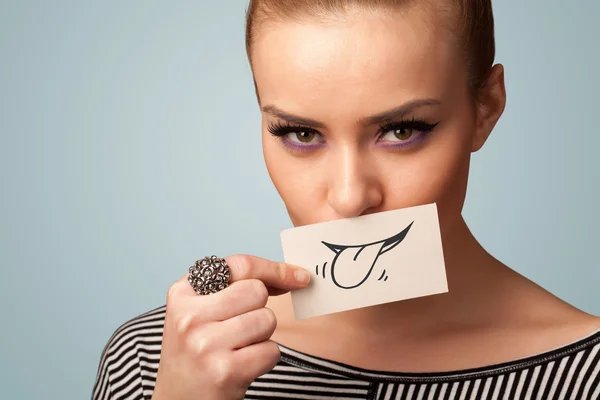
<point>354,188</point>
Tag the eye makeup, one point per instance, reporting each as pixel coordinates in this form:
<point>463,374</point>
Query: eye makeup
<point>396,135</point>
<point>296,138</point>
<point>407,133</point>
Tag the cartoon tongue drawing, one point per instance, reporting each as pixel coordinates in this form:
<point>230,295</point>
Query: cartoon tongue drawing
<point>353,264</point>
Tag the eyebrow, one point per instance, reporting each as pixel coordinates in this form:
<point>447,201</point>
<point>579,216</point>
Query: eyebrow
<point>390,115</point>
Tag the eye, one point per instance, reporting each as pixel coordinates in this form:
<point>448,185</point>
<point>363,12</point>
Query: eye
<point>402,133</point>
<point>302,136</point>
<point>405,133</point>
<point>295,138</point>
<point>295,134</point>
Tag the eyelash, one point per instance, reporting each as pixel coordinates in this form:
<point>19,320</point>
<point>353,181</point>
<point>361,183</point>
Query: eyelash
<point>281,129</point>
<point>422,128</point>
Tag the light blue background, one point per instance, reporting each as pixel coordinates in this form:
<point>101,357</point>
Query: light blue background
<point>130,146</point>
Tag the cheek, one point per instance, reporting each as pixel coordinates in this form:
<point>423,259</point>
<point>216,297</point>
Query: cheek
<point>298,182</point>
<point>438,174</point>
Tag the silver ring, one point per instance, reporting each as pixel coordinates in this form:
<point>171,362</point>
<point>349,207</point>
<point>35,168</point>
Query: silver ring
<point>209,275</point>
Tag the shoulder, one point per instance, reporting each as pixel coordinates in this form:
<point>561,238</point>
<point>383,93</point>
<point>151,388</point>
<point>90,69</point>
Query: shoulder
<point>130,356</point>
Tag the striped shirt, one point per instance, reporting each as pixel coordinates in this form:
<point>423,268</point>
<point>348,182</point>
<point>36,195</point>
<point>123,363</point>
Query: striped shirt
<point>129,363</point>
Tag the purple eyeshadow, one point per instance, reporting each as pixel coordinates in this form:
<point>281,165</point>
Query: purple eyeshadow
<point>405,143</point>
<point>299,147</point>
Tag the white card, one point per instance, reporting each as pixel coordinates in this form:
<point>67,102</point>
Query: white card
<point>367,260</point>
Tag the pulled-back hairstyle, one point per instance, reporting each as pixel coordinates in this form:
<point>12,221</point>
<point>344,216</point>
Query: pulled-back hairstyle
<point>473,24</point>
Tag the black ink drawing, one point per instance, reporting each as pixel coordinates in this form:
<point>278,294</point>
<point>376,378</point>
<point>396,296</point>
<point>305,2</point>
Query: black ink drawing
<point>385,245</point>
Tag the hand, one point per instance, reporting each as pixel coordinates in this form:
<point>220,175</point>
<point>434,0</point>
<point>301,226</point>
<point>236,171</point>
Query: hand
<point>215,346</point>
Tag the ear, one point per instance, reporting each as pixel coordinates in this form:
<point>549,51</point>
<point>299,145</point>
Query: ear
<point>490,106</point>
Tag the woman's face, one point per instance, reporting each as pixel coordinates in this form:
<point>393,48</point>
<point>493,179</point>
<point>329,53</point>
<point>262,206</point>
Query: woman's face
<point>364,114</point>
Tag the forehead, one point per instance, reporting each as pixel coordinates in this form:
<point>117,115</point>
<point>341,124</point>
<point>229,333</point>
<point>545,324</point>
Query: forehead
<point>361,62</point>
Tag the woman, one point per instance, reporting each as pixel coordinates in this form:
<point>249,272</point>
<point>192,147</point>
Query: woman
<point>367,106</point>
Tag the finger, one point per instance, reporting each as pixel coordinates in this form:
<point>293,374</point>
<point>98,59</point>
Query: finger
<point>257,359</point>
<point>246,329</point>
<point>276,275</point>
<point>238,298</point>
<point>181,287</point>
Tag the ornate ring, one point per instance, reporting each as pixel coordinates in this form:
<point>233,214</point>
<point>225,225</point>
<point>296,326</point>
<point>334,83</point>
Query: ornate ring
<point>209,275</point>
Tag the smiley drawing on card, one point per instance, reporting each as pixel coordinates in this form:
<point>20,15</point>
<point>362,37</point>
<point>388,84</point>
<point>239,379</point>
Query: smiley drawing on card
<point>353,271</point>
<point>368,260</point>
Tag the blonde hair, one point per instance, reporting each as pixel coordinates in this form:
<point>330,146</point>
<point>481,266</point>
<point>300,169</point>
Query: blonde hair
<point>473,25</point>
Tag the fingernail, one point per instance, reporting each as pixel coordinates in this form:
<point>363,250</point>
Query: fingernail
<point>301,276</point>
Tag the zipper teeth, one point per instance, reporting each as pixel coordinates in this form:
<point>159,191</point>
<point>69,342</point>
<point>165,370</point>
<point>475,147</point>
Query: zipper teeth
<point>460,376</point>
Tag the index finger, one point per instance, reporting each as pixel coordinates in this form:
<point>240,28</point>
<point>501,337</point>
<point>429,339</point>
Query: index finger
<point>273,274</point>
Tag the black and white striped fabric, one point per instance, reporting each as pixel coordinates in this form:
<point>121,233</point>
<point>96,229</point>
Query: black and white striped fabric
<point>129,363</point>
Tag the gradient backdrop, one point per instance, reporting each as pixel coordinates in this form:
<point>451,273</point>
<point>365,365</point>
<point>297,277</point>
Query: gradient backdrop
<point>130,147</point>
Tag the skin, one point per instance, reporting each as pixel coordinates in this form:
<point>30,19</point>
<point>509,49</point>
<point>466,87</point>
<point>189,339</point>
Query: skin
<point>339,73</point>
